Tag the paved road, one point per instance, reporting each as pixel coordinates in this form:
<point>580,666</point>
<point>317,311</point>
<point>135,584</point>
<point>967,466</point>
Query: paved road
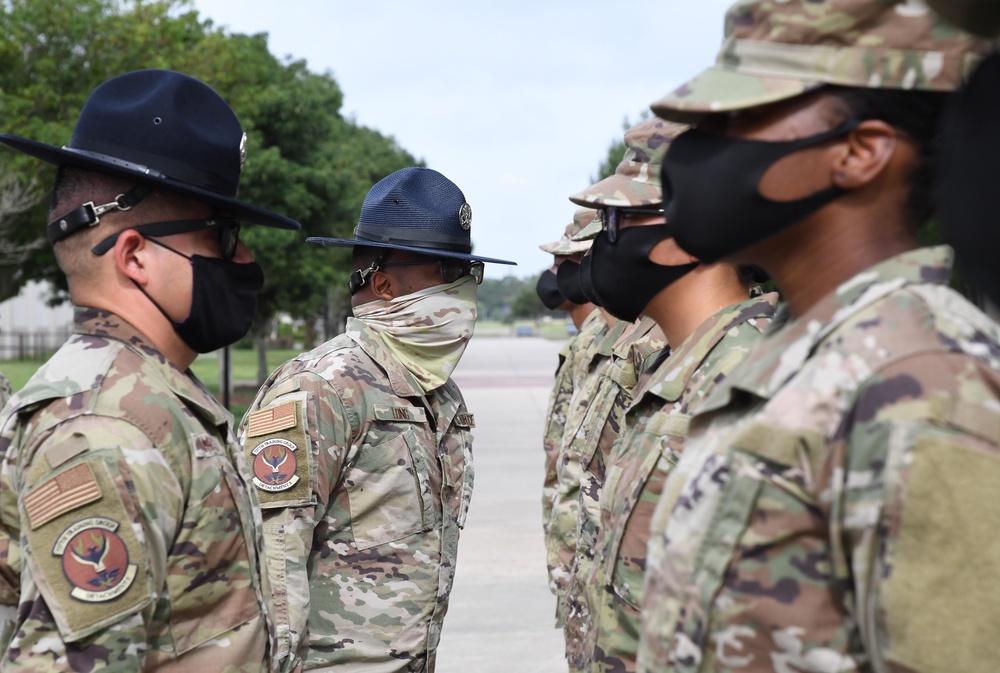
<point>500,619</point>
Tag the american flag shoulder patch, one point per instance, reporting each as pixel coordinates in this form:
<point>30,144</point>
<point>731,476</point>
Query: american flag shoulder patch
<point>272,419</point>
<point>57,495</point>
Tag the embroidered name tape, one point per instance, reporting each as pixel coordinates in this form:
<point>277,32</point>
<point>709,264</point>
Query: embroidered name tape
<point>385,412</point>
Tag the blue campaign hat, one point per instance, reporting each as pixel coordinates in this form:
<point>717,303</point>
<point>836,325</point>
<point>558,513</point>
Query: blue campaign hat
<point>415,209</point>
<point>160,129</point>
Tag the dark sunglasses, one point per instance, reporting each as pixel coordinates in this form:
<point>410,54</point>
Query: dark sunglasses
<point>450,270</point>
<point>227,231</point>
<point>612,217</point>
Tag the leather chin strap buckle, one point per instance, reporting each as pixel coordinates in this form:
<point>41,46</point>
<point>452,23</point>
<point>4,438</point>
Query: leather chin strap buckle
<point>359,277</point>
<point>89,215</point>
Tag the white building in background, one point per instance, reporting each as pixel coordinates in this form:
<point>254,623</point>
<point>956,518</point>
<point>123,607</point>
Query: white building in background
<point>29,312</point>
<point>29,327</point>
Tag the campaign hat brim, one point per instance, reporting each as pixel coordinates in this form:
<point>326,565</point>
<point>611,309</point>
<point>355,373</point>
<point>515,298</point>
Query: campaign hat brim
<point>430,252</point>
<point>107,165</point>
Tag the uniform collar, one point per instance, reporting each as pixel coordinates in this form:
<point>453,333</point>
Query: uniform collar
<point>402,382</point>
<point>95,323</point>
<point>672,377</point>
<point>789,343</point>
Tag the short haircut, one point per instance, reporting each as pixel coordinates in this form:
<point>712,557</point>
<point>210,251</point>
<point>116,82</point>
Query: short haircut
<point>74,187</point>
<point>917,115</point>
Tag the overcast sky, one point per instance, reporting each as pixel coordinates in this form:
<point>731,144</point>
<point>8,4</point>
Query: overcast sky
<point>516,102</point>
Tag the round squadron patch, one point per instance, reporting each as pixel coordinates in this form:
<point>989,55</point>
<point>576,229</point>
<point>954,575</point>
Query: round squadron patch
<point>95,560</point>
<point>274,465</point>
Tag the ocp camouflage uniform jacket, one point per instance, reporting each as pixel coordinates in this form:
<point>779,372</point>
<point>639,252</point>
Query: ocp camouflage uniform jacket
<point>130,534</point>
<point>365,482</point>
<point>590,443</point>
<point>835,505</point>
<point>561,510</point>
<point>652,436</point>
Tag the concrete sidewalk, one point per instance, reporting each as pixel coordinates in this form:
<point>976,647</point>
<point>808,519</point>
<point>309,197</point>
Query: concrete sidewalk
<point>501,614</point>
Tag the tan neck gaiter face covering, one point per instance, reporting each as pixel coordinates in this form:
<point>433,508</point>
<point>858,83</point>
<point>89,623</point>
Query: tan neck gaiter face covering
<point>427,331</point>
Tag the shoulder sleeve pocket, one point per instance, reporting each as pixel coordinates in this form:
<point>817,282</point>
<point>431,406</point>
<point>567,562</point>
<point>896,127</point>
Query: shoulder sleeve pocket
<point>279,453</point>
<point>82,550</point>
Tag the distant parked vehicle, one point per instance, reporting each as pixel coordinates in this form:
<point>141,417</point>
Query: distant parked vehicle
<point>524,331</point>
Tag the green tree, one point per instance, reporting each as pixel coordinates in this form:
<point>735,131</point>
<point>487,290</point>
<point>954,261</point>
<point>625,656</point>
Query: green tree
<point>527,304</point>
<point>304,158</point>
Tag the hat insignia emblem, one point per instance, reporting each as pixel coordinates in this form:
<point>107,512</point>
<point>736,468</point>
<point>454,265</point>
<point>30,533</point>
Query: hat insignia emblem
<point>465,216</point>
<point>243,151</point>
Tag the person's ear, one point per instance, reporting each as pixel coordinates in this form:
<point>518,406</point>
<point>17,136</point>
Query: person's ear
<point>382,285</point>
<point>864,154</point>
<point>132,256</point>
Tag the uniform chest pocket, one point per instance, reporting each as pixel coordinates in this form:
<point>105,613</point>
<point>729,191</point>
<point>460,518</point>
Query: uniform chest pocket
<point>746,533</point>
<point>389,491</point>
<point>210,578</point>
<point>588,434</point>
<point>632,499</point>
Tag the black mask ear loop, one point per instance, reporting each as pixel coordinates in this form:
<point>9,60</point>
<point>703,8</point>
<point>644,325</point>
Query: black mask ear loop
<point>359,277</point>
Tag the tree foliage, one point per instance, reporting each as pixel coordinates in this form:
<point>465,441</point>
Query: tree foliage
<point>305,160</point>
<point>527,304</point>
<point>508,298</point>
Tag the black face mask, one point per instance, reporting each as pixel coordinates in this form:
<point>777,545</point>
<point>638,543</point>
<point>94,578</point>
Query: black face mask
<point>587,281</point>
<point>624,277</point>
<point>223,301</point>
<point>711,191</point>
<point>568,277</point>
<point>548,290</point>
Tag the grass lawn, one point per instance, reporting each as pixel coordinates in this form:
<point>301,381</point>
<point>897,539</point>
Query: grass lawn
<point>206,368</point>
<point>244,362</point>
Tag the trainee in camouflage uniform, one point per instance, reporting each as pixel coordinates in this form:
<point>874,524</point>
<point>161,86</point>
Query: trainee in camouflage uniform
<point>651,441</point>
<point>625,477</point>
<point>561,508</point>
<point>590,365</point>
<point>609,394</point>
<point>635,184</point>
<point>362,451</point>
<point>131,534</point>
<point>828,509</point>
<point>588,321</point>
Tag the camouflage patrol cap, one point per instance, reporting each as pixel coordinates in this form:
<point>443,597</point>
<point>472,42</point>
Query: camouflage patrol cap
<point>981,17</point>
<point>590,232</point>
<point>567,245</point>
<point>636,182</point>
<point>778,49</point>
